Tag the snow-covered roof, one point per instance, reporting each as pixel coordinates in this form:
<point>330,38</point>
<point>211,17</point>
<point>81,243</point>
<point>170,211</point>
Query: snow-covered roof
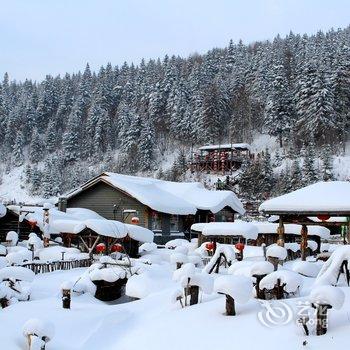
<point>322,197</point>
<point>109,228</point>
<point>269,227</point>
<point>181,198</point>
<point>226,146</point>
<point>76,220</point>
<point>237,228</point>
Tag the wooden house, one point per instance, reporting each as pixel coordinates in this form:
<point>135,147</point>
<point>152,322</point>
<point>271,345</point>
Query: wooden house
<point>221,159</point>
<point>167,208</point>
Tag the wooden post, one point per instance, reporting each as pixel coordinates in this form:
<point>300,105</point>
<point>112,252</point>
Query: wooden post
<point>66,298</point>
<point>274,261</point>
<point>321,314</point>
<point>279,289</point>
<point>303,243</point>
<point>280,232</point>
<point>260,294</point>
<point>264,250</point>
<point>230,306</point>
<point>194,293</point>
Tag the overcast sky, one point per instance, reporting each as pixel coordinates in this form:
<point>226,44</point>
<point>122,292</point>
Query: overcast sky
<point>40,37</point>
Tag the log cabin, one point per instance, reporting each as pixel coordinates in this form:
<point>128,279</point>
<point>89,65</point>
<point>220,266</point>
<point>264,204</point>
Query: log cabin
<point>167,208</point>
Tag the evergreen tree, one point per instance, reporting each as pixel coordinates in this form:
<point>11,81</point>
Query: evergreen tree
<point>327,167</point>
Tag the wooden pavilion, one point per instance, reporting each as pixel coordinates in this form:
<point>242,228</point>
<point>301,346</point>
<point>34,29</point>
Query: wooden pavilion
<point>328,202</point>
<point>223,158</point>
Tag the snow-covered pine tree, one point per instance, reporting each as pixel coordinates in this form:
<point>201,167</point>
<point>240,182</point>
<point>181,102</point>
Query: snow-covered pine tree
<point>327,166</point>
<point>146,147</point>
<point>296,175</point>
<point>278,110</point>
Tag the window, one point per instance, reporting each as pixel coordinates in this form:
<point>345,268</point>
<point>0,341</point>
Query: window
<point>174,223</point>
<point>156,222</point>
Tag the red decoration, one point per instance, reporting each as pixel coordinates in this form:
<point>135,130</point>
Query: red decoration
<point>117,248</point>
<point>100,248</point>
<point>32,223</point>
<point>323,217</point>
<point>135,220</point>
<point>209,246</point>
<point>239,246</point>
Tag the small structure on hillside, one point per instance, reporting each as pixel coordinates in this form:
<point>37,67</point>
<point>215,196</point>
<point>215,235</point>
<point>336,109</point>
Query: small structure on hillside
<point>322,200</point>
<point>167,208</point>
<point>223,159</point>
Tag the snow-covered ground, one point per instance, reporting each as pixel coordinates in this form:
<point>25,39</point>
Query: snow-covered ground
<point>156,322</point>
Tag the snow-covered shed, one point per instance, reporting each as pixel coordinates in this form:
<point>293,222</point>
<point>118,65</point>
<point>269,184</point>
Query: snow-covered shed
<point>80,226</point>
<point>167,208</point>
<point>225,232</point>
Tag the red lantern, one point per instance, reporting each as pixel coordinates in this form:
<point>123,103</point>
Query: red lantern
<point>32,223</point>
<point>117,248</point>
<point>209,246</point>
<point>135,220</point>
<point>239,246</point>
<point>323,217</point>
<point>100,248</point>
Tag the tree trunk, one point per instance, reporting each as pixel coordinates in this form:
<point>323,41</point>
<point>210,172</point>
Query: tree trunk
<point>321,314</point>
<point>230,306</point>
<point>194,293</point>
<point>274,261</point>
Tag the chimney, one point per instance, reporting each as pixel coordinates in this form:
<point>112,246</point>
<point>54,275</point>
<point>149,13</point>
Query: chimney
<point>62,204</point>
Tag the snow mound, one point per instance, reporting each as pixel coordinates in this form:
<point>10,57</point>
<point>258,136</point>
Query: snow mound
<point>147,247</point>
<point>291,279</point>
<point>261,268</point>
<point>330,270</point>
<point>3,210</point>
<point>307,268</point>
<point>18,273</point>
<point>275,251</point>
<point>327,295</point>
<point>238,287</point>
<point>40,328</point>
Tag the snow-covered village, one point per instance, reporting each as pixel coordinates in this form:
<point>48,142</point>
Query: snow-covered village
<point>175,175</point>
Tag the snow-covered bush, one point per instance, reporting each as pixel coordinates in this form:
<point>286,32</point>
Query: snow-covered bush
<point>236,288</point>
<point>38,333</point>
